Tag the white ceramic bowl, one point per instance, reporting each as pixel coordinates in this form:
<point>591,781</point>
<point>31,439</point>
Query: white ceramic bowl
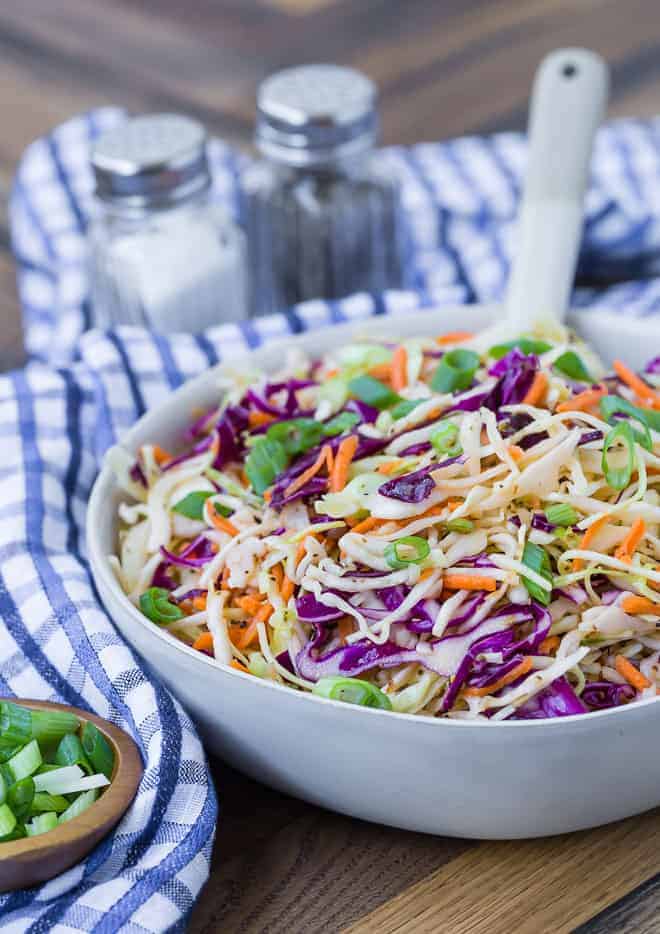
<point>497,780</point>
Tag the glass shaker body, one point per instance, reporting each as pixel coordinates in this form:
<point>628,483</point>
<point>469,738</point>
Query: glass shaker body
<point>322,232</point>
<point>161,253</point>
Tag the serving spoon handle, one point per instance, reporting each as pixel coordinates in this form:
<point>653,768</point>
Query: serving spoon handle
<point>568,102</point>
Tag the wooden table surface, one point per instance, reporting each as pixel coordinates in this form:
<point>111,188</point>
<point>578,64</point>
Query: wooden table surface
<point>445,67</point>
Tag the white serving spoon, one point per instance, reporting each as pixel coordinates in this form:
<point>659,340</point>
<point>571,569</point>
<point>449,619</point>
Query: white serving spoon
<point>568,102</point>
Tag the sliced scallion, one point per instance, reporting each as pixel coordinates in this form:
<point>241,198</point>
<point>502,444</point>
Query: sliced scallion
<point>619,477</point>
<point>78,806</point>
<point>455,371</point>
<point>297,435</point>
<point>15,723</point>
<point>411,549</point>
<point>155,603</point>
<point>340,423</point>
<point>25,762</point>
<point>370,390</point>
<point>70,752</point>
<point>41,823</point>
<point>352,691</point>
<point>401,409</point>
<point>463,526</point>
<point>444,439</point>
<point>561,514</point>
<point>44,802</point>
<point>20,797</point>
<point>7,820</point>
<point>98,749</point>
<point>536,559</point>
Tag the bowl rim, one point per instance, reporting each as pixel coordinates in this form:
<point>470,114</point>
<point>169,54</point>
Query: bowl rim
<point>101,567</point>
<point>112,804</point>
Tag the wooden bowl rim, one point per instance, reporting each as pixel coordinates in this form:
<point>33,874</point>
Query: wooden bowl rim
<point>109,808</point>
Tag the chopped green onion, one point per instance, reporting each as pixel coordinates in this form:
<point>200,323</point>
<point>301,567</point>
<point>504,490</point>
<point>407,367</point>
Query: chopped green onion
<point>57,775</point>
<point>266,460</point>
<point>296,436</point>
<point>15,723</point>
<point>81,804</point>
<point>612,405</point>
<point>619,477</point>
<point>526,344</point>
<point>352,691</point>
<point>25,762</point>
<point>98,749</point>
<point>70,752</point>
<point>572,366</point>
<point>3,788</point>
<point>59,786</point>
<point>340,423</point>
<point>51,725</point>
<point>7,820</point>
<point>460,525</point>
<point>20,797</point>
<point>561,514</point>
<point>44,802</point>
<point>41,823</point>
<point>455,371</point>
<point>373,392</point>
<point>155,603</point>
<point>444,440</point>
<point>192,505</point>
<point>18,833</point>
<point>396,552</point>
<point>536,559</point>
<point>405,407</point>
<point>8,750</point>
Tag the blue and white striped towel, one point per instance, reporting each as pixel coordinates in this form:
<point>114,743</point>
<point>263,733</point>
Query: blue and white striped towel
<point>80,391</point>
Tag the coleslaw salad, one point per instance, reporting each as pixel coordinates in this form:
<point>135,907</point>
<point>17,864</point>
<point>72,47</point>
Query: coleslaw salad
<point>437,527</point>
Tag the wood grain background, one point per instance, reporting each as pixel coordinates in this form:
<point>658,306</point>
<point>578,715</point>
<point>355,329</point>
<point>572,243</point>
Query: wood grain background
<point>444,67</point>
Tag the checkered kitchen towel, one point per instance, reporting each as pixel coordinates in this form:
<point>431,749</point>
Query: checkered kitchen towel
<point>82,390</point>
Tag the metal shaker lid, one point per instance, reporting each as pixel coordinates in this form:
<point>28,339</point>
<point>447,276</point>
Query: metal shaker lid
<point>315,114</point>
<point>151,161</point>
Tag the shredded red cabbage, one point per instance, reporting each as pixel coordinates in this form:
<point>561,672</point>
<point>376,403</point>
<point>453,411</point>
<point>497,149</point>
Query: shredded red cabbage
<point>603,694</point>
<point>557,700</point>
<point>309,610</point>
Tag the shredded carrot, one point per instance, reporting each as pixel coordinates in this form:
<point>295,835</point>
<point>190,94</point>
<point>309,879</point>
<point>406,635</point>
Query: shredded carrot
<point>330,373</point>
<point>453,504</point>
<point>324,458</point>
<point>161,456</point>
<point>549,645</point>
<point>587,539</point>
<point>220,522</point>
<point>287,588</point>
<point>632,675</point>
<point>244,636</point>
<point>388,467</point>
<point>433,511</point>
<point>426,573</point>
<point>454,337</point>
<point>627,376</point>
<point>345,627</point>
<point>515,452</point>
<point>239,666</point>
<point>250,604</point>
<point>203,643</point>
<point>267,495</point>
<point>537,390</point>
<point>639,606</point>
<point>300,553</point>
<point>469,582</point>
<point>199,602</point>
<point>583,401</point>
<point>510,676</point>
<point>278,575</point>
<point>345,454</point>
<point>628,546</point>
<point>224,584</point>
<point>367,525</point>
<point>256,419</point>
<point>399,368</point>
<point>265,613</point>
<point>382,371</point>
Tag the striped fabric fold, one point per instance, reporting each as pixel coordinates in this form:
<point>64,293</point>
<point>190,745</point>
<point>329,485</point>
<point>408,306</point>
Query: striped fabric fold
<point>82,389</point>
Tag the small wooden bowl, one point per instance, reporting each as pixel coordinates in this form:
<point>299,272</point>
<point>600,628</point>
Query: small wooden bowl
<point>35,859</point>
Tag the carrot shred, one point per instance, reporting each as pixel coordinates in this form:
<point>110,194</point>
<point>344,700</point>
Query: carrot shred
<point>345,627</point>
<point>256,419</point>
<point>453,504</point>
<point>639,606</point>
<point>382,371</point>
<point>510,676</point>
<point>426,573</point>
<point>224,525</point>
<point>469,582</point>
<point>632,675</point>
<point>265,613</point>
<point>345,454</point>
<point>199,602</point>
<point>454,337</point>
<point>330,373</point>
<point>371,522</point>
<point>583,401</point>
<point>515,452</point>
<point>243,636</point>
<point>587,539</point>
<point>537,390</point>
<point>239,666</point>
<point>287,588</point>
<point>627,376</point>
<point>161,456</point>
<point>204,642</point>
<point>628,546</point>
<point>435,511</point>
<point>399,368</point>
<point>549,645</point>
<point>250,604</point>
<point>324,458</point>
<point>224,583</point>
<point>388,467</point>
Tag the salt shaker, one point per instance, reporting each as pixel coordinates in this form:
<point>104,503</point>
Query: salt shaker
<point>323,215</point>
<point>162,254</point>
